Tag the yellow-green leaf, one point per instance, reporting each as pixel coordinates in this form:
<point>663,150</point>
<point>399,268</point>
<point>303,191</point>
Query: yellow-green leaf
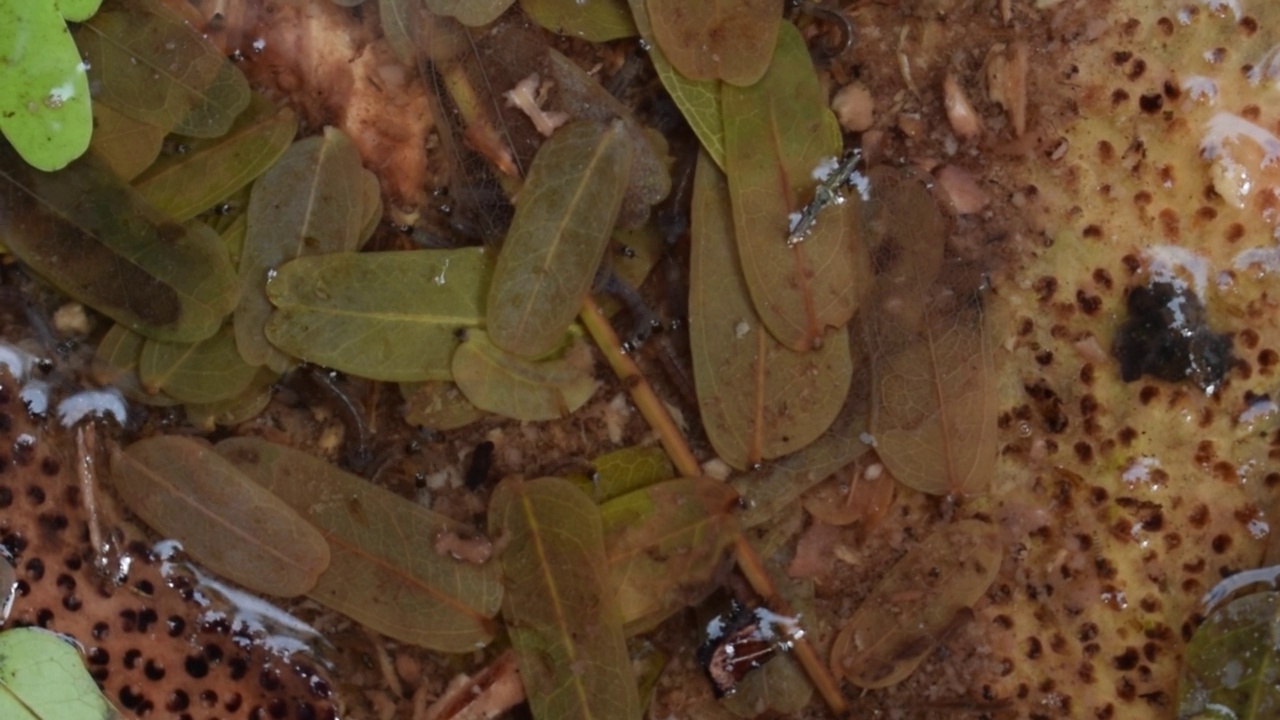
<point>78,10</point>
<point>438,405</point>
<point>386,316</point>
<point>563,219</point>
<point>499,382</point>
<point>237,409</point>
<point>127,146</point>
<point>204,372</point>
<point>472,13</point>
<point>1229,668</point>
<point>116,363</point>
<point>721,40</point>
<point>386,570</point>
<point>621,471</point>
<point>559,607</point>
<point>594,21</point>
<point>185,490</point>
<point>43,677</point>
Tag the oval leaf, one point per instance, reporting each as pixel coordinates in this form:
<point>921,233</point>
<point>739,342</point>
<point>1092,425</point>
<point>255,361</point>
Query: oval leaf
<point>564,215</point>
<point>43,677</point>
<point>438,405</point>
<point>385,571</point>
<point>522,389</point>
<point>625,470</point>
<point>1230,665</point>
<point>406,308</point>
<point>472,13</point>
<point>185,490</point>
<point>203,372</point>
<point>595,21</point>
<point>127,146</point>
<point>559,610</point>
<point>234,410</point>
<point>719,40</point>
<point>400,26</point>
<point>116,363</point>
<point>78,10</point>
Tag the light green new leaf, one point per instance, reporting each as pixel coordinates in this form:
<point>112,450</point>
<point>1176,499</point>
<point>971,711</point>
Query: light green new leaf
<point>625,470</point>
<point>777,132</point>
<point>184,490</point>
<point>204,372</point>
<point>43,677</point>
<point>93,238</point>
<point>116,363</point>
<point>720,40</point>
<point>385,316</point>
<point>78,10</point>
<point>522,389</point>
<point>146,62</point>
<point>472,13</point>
<point>187,183</point>
<point>594,21</point>
<point>759,399</point>
<point>127,146</point>
<point>564,215</point>
<point>559,608</point>
<point>388,569</point>
<point>44,93</point>
<point>1230,668</point>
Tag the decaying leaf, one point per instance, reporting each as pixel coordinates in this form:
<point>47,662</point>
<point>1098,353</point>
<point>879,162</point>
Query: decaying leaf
<point>862,492</point>
<point>43,677</point>
<point>499,382</point>
<point>595,21</point>
<point>625,470</point>
<point>472,13</point>
<point>406,309</point>
<point>778,133</point>
<point>385,571</point>
<point>759,399</point>
<point>438,405</point>
<point>185,490</point>
<point>204,372</point>
<point>559,609</point>
<point>932,587</point>
<point>91,236</point>
<point>564,216</point>
<point>724,40</point>
<point>125,145</point>
<point>1229,669</point>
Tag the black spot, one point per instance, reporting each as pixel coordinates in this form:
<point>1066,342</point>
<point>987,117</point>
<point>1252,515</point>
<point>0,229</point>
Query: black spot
<point>131,658</point>
<point>197,667</point>
<point>176,625</point>
<point>153,670</point>
<point>178,701</point>
<point>1166,337</point>
<point>35,569</point>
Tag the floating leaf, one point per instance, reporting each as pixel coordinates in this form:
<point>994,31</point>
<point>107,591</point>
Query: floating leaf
<point>44,93</point>
<point>1229,668</point>
<point>862,492</point>
<point>43,677</point>
<point>93,238</point>
<point>666,544</point>
<point>559,608</point>
<point>921,597</point>
<point>502,383</point>
<point>386,571</point>
<point>189,182</point>
<point>625,470</point>
<point>78,10</point>
<point>562,223</point>
<point>438,405</point>
<point>309,203</point>
<point>717,40</point>
<point>759,400</point>
<point>235,410</point>
<point>149,64</point>
<point>594,21</point>
<point>125,145</point>
<point>472,13</point>
<point>204,372</point>
<point>386,316</point>
<point>400,26</point>
<point>777,132</point>
<point>116,363</point>
<point>185,490</point>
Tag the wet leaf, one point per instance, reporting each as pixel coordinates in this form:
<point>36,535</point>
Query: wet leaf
<point>404,308</point>
<point>625,470</point>
<point>862,492</point>
<point>472,13</point>
<point>779,686</point>
<point>127,146</point>
<point>776,133</point>
<point>385,571</point>
<point>235,410</point>
<point>78,10</point>
<point>146,62</point>
<point>44,94</point>
<point>185,490</point>
<point>187,183</point>
<point>116,363</point>
<point>922,596</point>
<point>720,40</point>
<point>759,400</point>
<point>310,202</point>
<point>563,219</point>
<point>666,545</point>
<point>203,372</point>
<point>91,236</point>
<point>559,609</point>
<point>438,405</point>
<point>400,26</point>
<point>594,21</point>
<point>511,386</point>
<point>1229,668</point>
<point>43,677</point>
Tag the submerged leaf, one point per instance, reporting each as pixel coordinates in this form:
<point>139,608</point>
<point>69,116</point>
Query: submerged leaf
<point>717,40</point>
<point>127,146</point>
<point>759,399</point>
<point>91,236</point>
<point>511,386</point>
<point>204,372</point>
<point>438,405</point>
<point>559,608</point>
<point>400,26</point>
<point>563,219</point>
<point>43,677</point>
<point>472,13</point>
<point>922,596</point>
<point>245,405</point>
<point>386,570</point>
<point>1230,665</point>
<point>622,471</point>
<point>595,21</point>
<point>386,316</point>
<point>116,363</point>
<point>777,133</point>
<point>185,490</point>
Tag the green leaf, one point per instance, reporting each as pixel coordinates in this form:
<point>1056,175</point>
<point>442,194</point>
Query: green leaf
<point>127,146</point>
<point>563,219</point>
<point>719,40</point>
<point>185,490</point>
<point>438,405</point>
<point>400,26</point>
<point>595,21</point>
<point>204,372</point>
<point>44,92</point>
<point>189,182</point>
<point>1230,664</point>
<point>92,237</point>
<point>386,316</point>
<point>625,470</point>
<point>116,363</point>
<point>149,64</point>
<point>759,399</point>
<point>389,570</point>
<point>559,609</point>
<point>43,677</point>
<point>310,202</point>
<point>472,13</point>
<point>237,409</point>
<point>512,386</point>
<point>78,10</point>
<point>777,132</point>
<point>887,638</point>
